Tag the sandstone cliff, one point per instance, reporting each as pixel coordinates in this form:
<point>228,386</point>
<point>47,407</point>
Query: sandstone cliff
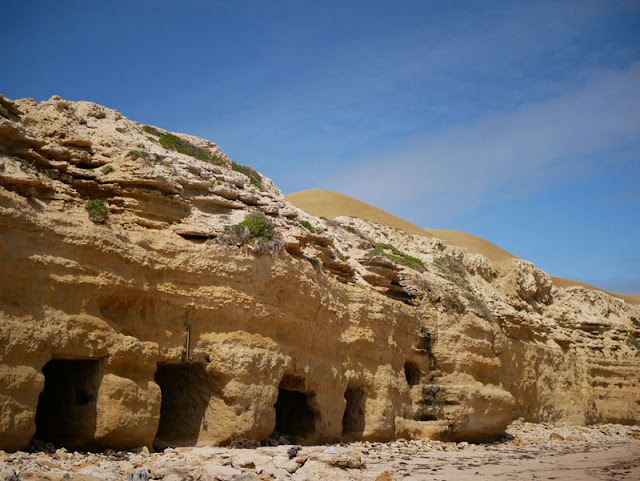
<point>130,315</point>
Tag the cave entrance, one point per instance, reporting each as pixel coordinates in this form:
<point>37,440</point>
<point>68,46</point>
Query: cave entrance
<point>412,373</point>
<point>186,391</point>
<point>353,419</point>
<point>294,416</point>
<point>66,412</point>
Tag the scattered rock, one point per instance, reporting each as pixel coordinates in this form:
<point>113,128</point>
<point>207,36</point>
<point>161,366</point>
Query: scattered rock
<point>98,472</point>
<point>293,451</point>
<point>139,475</point>
<point>385,476</point>
<point>220,472</point>
<point>7,473</point>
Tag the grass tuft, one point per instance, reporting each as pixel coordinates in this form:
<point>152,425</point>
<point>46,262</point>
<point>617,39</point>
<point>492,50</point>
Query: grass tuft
<point>138,154</point>
<point>98,211</point>
<point>391,253</point>
<point>151,130</point>
<point>257,231</point>
<point>26,166</point>
<point>447,264</point>
<point>478,306</point>
<point>314,262</point>
<point>254,177</point>
<point>182,146</point>
<point>307,225</point>
<point>63,106</point>
<point>633,342</point>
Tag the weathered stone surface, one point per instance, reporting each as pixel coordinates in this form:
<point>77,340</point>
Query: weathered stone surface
<point>168,337</point>
<point>7,473</point>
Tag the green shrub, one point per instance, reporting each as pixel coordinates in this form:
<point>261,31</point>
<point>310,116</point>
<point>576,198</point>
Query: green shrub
<point>151,130</point>
<point>314,262</point>
<point>451,270</point>
<point>98,211</point>
<point>447,264</point>
<point>633,342</point>
<point>478,306</point>
<point>452,301</point>
<point>308,226</point>
<point>397,256</point>
<point>255,230</point>
<point>173,142</point>
<point>120,129</point>
<point>254,177</point>
<point>26,166</point>
<point>635,321</point>
<point>330,222</point>
<point>138,154</point>
<point>182,146</point>
<point>367,241</point>
<point>106,169</point>
<point>258,225</point>
<point>63,105</point>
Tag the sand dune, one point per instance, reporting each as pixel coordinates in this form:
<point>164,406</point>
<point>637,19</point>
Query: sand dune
<point>331,204</point>
<point>324,203</point>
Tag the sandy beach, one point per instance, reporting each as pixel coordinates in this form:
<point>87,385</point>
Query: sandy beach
<point>527,452</point>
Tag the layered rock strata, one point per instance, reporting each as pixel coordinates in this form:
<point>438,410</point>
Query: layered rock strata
<point>142,325</point>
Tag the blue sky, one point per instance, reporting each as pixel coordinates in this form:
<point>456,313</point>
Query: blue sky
<point>516,121</point>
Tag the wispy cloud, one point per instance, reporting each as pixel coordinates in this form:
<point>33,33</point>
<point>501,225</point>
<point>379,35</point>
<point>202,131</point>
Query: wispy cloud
<point>503,154</point>
<point>391,74</point>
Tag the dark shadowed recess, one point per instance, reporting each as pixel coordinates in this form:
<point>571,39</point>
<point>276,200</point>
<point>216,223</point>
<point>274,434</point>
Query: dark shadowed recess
<point>186,392</point>
<point>294,416</point>
<point>66,412</point>
<point>353,419</point>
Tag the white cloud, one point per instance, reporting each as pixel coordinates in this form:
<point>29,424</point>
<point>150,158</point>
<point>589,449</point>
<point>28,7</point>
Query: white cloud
<point>503,154</point>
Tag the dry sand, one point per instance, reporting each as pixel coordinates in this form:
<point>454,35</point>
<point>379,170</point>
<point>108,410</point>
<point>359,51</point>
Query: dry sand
<point>528,452</point>
<point>324,203</point>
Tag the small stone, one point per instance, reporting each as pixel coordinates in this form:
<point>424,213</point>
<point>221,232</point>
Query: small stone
<point>293,451</point>
<point>7,473</point>
<point>223,473</point>
<point>349,460</point>
<point>139,475</point>
<point>173,477</point>
<point>385,476</point>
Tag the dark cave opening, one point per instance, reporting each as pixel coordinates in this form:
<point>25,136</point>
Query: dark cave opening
<point>186,391</point>
<point>294,417</point>
<point>412,373</point>
<point>353,418</point>
<point>66,412</point>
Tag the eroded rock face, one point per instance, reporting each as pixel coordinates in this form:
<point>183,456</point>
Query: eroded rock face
<point>141,327</point>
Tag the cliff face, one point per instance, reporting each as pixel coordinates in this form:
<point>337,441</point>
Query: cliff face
<point>151,324</point>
